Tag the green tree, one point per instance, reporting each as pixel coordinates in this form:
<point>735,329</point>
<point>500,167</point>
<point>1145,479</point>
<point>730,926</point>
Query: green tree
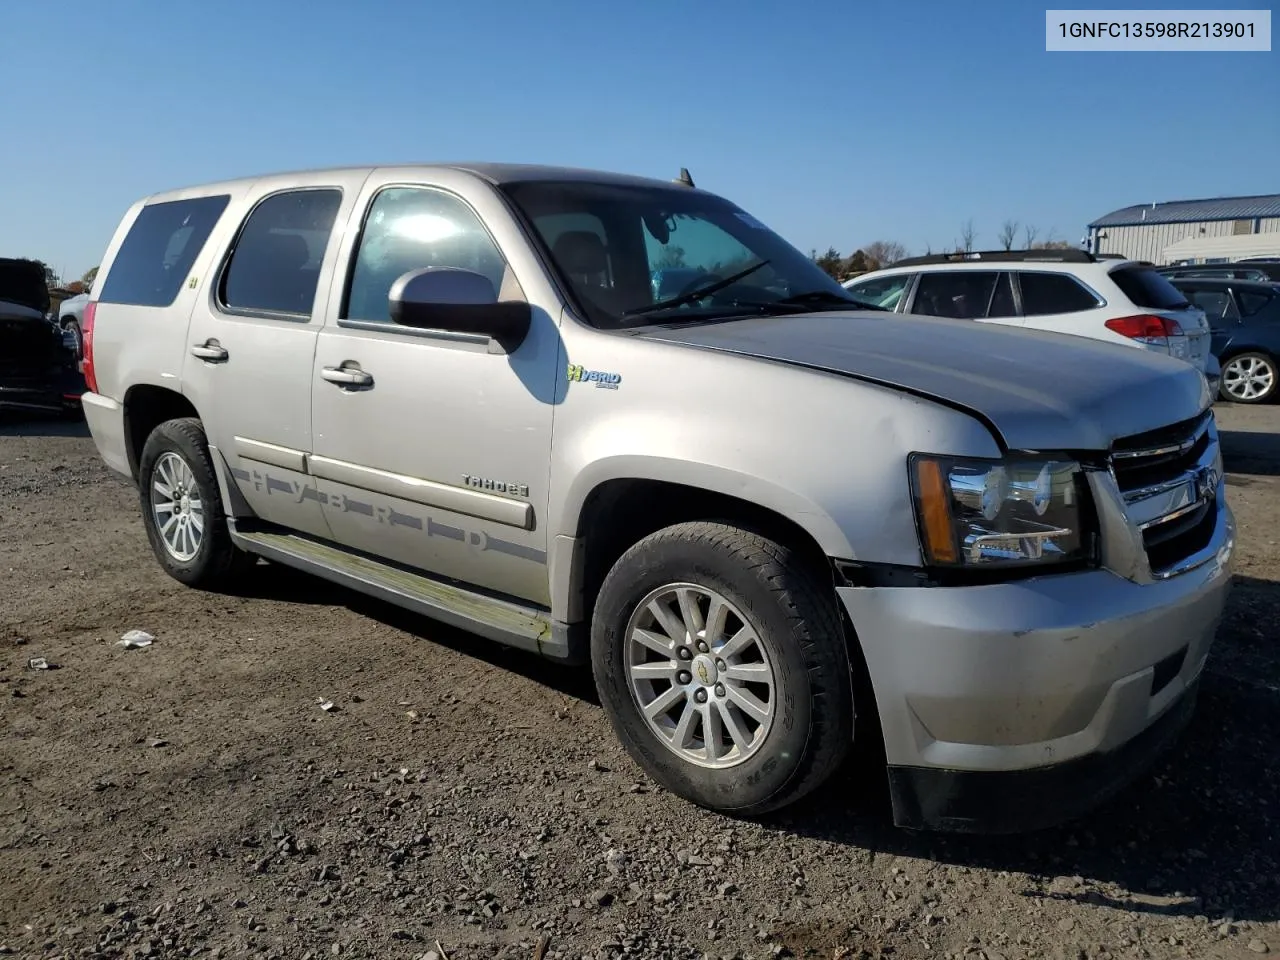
<point>830,262</point>
<point>89,277</point>
<point>857,263</point>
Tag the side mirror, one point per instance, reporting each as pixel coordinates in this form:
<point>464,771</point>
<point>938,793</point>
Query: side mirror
<point>460,301</point>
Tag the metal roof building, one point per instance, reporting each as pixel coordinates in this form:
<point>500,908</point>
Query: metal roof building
<point>1144,232</point>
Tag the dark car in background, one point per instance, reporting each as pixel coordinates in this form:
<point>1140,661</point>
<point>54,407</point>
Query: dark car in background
<point>1265,271</point>
<point>39,363</point>
<point>1244,320</point>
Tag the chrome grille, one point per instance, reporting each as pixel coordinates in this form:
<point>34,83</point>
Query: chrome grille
<point>1169,479</point>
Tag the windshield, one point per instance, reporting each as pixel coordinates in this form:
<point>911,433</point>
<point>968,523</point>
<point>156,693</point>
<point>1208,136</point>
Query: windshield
<point>641,254</point>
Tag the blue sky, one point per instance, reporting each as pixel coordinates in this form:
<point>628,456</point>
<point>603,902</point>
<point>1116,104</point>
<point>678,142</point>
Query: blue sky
<point>835,123</point>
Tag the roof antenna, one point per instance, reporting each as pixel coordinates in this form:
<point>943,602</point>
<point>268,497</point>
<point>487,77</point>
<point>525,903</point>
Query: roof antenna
<point>684,177</point>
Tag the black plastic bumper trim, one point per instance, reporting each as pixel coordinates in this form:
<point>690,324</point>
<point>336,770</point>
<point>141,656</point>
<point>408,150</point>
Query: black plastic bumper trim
<point>1018,801</point>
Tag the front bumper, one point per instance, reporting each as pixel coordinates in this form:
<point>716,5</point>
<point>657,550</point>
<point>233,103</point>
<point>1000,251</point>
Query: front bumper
<point>1015,706</point>
<point>52,391</point>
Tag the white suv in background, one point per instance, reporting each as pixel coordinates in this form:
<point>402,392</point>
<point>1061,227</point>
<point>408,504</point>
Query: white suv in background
<point>1065,291</point>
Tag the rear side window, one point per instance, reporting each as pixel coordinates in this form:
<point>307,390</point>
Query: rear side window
<point>157,253</point>
<point>275,265</point>
<point>964,294</point>
<point>1148,289</point>
<point>1045,293</point>
<point>1216,304</point>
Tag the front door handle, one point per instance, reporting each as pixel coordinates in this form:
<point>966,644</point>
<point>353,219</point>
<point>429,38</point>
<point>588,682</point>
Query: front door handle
<point>347,376</point>
<point>210,350</point>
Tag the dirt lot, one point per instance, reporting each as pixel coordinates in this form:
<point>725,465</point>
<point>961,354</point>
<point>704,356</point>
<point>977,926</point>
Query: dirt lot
<point>192,798</point>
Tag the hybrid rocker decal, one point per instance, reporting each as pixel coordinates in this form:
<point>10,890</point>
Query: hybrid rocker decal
<point>602,379</point>
<point>386,514</point>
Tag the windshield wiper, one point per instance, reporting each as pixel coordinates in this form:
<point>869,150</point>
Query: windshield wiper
<point>695,295</point>
<point>816,301</point>
<point>817,298</point>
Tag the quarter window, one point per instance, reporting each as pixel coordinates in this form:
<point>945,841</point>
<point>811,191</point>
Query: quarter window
<point>1046,293</point>
<point>410,228</point>
<point>1252,301</point>
<point>159,250</point>
<point>275,266</point>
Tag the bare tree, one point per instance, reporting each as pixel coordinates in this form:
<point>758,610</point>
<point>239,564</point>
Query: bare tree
<point>1008,233</point>
<point>882,253</point>
<point>966,236</point>
<point>1029,234</point>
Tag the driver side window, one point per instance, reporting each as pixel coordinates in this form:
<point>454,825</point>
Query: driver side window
<point>409,228</point>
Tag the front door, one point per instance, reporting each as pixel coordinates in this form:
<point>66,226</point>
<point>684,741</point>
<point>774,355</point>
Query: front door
<point>252,338</point>
<point>432,449</point>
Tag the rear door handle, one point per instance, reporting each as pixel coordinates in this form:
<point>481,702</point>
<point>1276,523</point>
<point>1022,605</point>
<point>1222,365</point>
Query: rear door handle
<point>211,351</point>
<point>347,376</point>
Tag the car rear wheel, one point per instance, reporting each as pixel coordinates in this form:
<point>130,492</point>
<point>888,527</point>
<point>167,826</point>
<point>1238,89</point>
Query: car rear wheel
<point>182,508</point>
<point>1249,378</point>
<point>77,337</point>
<point>721,662</point>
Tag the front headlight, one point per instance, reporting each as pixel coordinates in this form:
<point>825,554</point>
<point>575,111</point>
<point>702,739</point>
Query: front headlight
<point>989,513</point>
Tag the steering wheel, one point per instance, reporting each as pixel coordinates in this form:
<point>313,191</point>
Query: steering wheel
<point>701,280</point>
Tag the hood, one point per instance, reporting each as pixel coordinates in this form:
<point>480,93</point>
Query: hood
<point>23,282</point>
<point>1038,391</point>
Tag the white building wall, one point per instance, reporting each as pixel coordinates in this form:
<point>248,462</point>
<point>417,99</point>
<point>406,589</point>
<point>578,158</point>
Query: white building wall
<point>1142,242</point>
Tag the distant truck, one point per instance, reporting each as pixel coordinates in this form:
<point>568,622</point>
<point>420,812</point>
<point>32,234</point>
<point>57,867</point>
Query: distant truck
<point>38,362</point>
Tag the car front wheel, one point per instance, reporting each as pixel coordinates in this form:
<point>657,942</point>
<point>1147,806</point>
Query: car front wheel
<point>1249,378</point>
<point>722,665</point>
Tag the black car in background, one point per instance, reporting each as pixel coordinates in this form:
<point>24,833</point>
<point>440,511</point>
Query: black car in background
<point>1244,318</point>
<point>1266,271</point>
<point>39,365</point>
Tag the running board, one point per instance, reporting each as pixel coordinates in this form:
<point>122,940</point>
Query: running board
<point>512,624</point>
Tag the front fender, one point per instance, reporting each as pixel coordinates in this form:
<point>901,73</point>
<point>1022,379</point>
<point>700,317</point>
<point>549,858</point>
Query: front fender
<point>713,478</point>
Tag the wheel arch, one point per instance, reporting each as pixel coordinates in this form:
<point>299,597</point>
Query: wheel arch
<point>625,499</point>
<point>146,406</point>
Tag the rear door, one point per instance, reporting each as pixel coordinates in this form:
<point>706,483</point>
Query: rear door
<point>252,339</point>
<point>1218,303</point>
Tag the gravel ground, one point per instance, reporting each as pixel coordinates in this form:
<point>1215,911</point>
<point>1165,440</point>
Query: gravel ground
<point>193,799</point>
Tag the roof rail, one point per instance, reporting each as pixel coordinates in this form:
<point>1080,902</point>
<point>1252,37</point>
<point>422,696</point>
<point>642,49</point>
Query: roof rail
<point>1001,256</point>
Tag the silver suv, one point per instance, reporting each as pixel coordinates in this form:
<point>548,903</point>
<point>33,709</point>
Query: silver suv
<point>773,521</point>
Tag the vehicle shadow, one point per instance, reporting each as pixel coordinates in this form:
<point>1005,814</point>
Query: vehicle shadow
<point>274,581</point>
<point>13,424</point>
<point>575,682</point>
<point>1195,836</point>
<point>1250,452</point>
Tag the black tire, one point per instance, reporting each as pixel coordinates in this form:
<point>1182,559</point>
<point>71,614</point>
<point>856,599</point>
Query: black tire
<point>1255,357</point>
<point>73,326</point>
<point>217,562</point>
<point>796,620</point>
